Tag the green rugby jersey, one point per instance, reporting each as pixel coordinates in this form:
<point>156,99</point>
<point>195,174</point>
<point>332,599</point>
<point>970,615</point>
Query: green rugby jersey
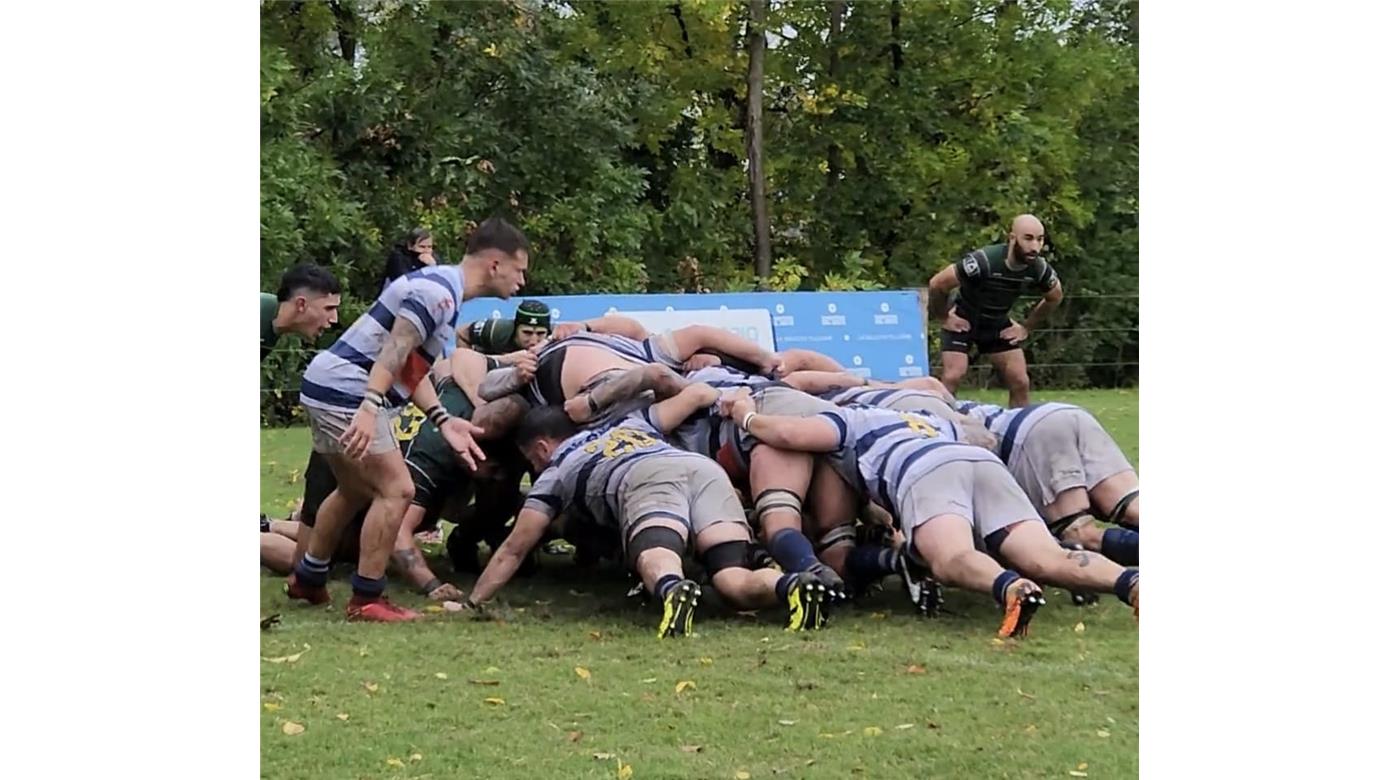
<point>988,286</point>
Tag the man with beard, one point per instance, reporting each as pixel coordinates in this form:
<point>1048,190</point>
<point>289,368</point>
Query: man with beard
<point>989,281</point>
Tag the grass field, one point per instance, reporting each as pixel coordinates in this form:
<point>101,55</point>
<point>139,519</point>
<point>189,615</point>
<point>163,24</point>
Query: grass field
<point>573,683</point>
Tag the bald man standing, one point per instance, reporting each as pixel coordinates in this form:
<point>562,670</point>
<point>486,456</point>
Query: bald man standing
<point>989,281</point>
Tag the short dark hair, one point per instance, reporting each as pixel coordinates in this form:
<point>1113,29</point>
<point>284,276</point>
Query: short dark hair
<point>550,422</point>
<point>496,233</point>
<point>307,276</point>
<point>415,235</point>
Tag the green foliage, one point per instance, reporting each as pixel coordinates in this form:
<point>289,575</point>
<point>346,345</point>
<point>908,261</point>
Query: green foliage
<point>613,134</point>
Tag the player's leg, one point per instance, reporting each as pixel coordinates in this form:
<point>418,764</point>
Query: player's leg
<point>387,476</point>
<point>1009,524</point>
<point>946,497</point>
<point>319,481</point>
<point>1010,363</point>
<point>831,507</point>
<point>468,369</point>
<point>656,534</point>
<point>779,480</point>
<point>278,552</point>
<point>723,541</point>
<point>329,519</point>
<point>1116,499</point>
<point>953,357</point>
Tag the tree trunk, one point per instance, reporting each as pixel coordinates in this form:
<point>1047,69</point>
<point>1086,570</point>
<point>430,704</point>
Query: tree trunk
<point>753,132</point>
<point>896,48</point>
<point>833,37</point>
<point>345,29</point>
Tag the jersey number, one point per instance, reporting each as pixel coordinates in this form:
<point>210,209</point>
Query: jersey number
<point>409,421</point>
<point>920,426</point>
<point>619,441</point>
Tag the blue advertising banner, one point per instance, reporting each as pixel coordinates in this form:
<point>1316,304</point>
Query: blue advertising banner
<point>874,334</point>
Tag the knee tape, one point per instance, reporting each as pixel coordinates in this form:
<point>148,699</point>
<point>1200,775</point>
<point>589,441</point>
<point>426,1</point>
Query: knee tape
<point>837,535</point>
<point>726,555</point>
<point>652,538</point>
<point>1058,527</point>
<point>775,499</point>
<point>1116,516</point>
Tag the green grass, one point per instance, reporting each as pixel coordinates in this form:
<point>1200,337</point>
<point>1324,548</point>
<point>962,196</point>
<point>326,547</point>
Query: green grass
<point>971,706</point>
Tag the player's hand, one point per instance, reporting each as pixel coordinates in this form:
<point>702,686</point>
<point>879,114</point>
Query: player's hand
<point>445,592</point>
<point>1016,333</point>
<point>458,434</point>
<point>773,366</point>
<point>976,434</point>
<point>577,408</point>
<point>736,403</point>
<point>955,323</point>
<point>525,369</point>
<point>566,329</point>
<point>512,358</point>
<point>700,361</point>
<point>357,437</point>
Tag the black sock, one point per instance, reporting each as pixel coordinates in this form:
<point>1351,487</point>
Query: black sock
<point>784,584</point>
<point>1120,545</point>
<point>870,562</point>
<point>666,584</point>
<point>312,571</point>
<point>365,590</point>
<point>1123,588</point>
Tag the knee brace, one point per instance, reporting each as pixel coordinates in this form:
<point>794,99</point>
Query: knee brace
<point>837,535</point>
<point>776,499</point>
<point>1058,527</point>
<point>726,555</point>
<point>1116,516</point>
<point>652,538</point>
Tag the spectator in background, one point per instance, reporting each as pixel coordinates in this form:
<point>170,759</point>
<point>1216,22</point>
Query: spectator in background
<point>307,302</point>
<point>415,251</point>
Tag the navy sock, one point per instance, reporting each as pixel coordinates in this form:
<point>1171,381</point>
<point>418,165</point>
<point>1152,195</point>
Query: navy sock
<point>1120,545</point>
<point>870,562</point>
<point>784,583</point>
<point>666,584</point>
<point>792,551</point>
<point>1123,588</point>
<point>1003,581</point>
<point>312,571</point>
<point>365,589</point>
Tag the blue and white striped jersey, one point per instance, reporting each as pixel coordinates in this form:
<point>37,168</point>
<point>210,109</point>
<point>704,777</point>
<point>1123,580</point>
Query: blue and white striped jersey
<point>1010,426</point>
<point>882,451</point>
<point>427,298</point>
<point>587,470</point>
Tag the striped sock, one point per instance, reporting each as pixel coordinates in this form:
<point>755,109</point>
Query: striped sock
<point>666,584</point>
<point>784,585</point>
<point>312,571</point>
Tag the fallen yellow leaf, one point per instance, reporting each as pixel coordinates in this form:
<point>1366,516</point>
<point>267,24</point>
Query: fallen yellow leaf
<point>1082,765</point>
<point>415,757</point>
<point>706,661</point>
<point>271,706</point>
<point>486,682</point>
<point>878,615</point>
<point>434,608</point>
<point>575,736</point>
<point>903,726</point>
<point>997,642</point>
<point>1030,729</point>
<point>1103,733</point>
<point>441,675</point>
<point>684,685</point>
<point>583,673</point>
<point>604,756</point>
<point>873,731</point>
<point>494,700</point>
<point>1079,627</point>
<point>491,670</point>
<point>787,723</point>
<point>741,775</point>
<point>288,659</point>
<point>372,687</point>
<point>595,635</point>
<point>394,762</point>
<point>1027,695</point>
<point>624,771</point>
<point>343,715</point>
<point>1073,773</point>
<point>292,729</point>
<point>915,669</point>
<point>649,680</point>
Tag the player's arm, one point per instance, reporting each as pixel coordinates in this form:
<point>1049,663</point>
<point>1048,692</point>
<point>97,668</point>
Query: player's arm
<point>612,324</point>
<point>694,338</point>
<point>411,564</point>
<point>667,415</point>
<point>940,287</point>
<point>501,382</point>
<point>1046,306</point>
<point>530,525</point>
<point>818,382</point>
<point>458,433</point>
<point>498,417</point>
<point>654,377</point>
<point>817,433</point>
<point>808,360</point>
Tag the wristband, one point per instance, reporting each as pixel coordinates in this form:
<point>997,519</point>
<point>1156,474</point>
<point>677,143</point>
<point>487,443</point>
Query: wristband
<point>745,422</point>
<point>438,415</point>
<point>432,585</point>
<point>492,364</point>
<point>374,398</point>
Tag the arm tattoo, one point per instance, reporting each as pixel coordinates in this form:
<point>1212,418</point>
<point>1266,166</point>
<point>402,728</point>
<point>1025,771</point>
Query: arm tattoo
<point>403,338</point>
<point>1080,557</point>
<point>499,416</point>
<point>407,559</point>
<point>629,385</point>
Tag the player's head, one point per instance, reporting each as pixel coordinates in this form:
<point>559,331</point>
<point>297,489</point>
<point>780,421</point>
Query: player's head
<point>502,251</point>
<point>419,241</point>
<point>1027,238</point>
<point>531,323</point>
<point>496,334</point>
<point>540,433</point>
<point>312,295</point>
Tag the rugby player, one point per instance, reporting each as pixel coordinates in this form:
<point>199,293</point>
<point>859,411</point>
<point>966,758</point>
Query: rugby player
<point>951,499</point>
<point>307,302</point>
<point>351,390</point>
<point>988,282</point>
<point>662,502</point>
